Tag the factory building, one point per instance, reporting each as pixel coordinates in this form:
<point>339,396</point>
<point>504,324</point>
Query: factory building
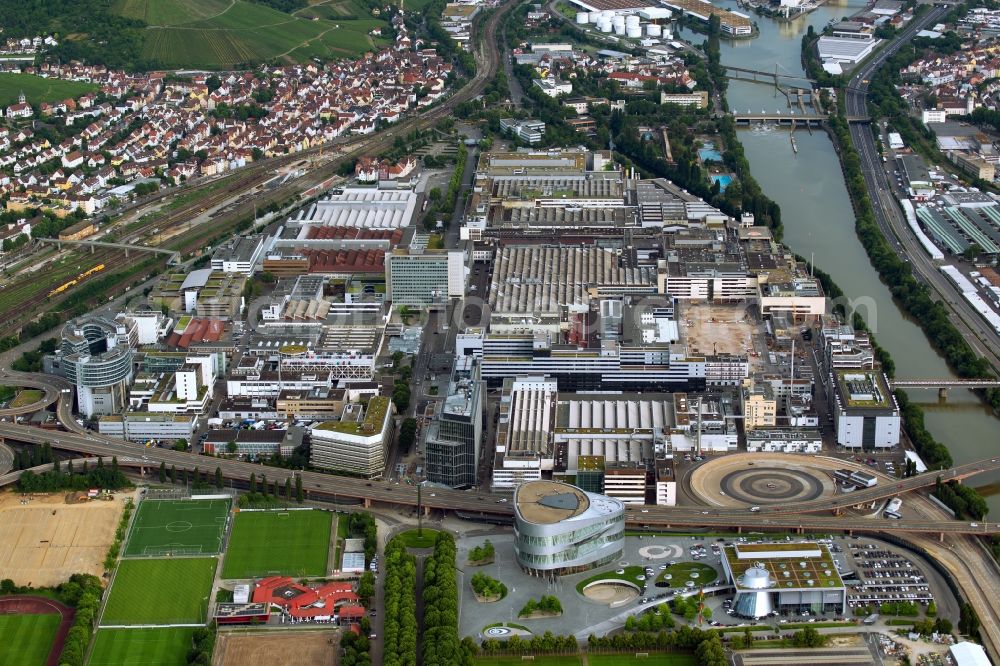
<point>357,442</point>
<point>420,277</point>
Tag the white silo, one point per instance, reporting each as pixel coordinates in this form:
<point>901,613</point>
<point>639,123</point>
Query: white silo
<point>618,23</point>
<point>582,18</point>
<point>653,29</point>
<point>633,33</point>
<point>632,21</point>
<point>604,25</point>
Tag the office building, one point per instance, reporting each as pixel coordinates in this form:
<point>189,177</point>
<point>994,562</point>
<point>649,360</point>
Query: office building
<point>357,442</point>
<point>560,529</point>
<point>145,426</point>
<point>96,355</point>
<point>417,276</point>
<point>864,409</point>
<point>453,438</point>
<point>241,255</point>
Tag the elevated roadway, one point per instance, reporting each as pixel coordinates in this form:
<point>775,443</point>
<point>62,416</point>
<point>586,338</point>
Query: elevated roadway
<point>331,487</point>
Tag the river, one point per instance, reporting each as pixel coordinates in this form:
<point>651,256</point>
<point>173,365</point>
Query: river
<point>819,222</point>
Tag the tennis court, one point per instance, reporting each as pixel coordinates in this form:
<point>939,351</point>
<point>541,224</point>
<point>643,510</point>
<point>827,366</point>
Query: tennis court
<point>292,543</point>
<point>177,527</point>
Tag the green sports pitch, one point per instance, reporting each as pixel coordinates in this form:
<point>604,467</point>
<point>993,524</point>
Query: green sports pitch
<point>162,646</point>
<point>178,527</point>
<point>27,639</point>
<point>163,591</point>
<point>292,543</point>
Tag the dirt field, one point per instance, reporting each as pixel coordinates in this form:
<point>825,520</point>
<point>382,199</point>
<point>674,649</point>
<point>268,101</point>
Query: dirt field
<point>317,647</point>
<point>716,329</point>
<point>46,540</point>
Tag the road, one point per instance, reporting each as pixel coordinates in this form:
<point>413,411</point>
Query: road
<point>888,214</point>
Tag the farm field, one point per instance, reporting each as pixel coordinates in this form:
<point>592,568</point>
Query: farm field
<point>315,647</point>
<point>168,591</point>
<point>27,638</point>
<point>177,527</point>
<point>45,541</point>
<point>164,646</point>
<point>292,543</point>
<point>221,34</point>
<point>37,89</point>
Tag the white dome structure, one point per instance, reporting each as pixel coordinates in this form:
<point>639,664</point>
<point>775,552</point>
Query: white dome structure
<point>753,597</point>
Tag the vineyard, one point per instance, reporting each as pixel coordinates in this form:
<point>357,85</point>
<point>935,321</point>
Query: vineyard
<point>222,34</point>
<point>169,12</point>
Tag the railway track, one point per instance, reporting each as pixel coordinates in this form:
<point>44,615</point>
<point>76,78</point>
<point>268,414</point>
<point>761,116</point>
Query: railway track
<point>488,62</point>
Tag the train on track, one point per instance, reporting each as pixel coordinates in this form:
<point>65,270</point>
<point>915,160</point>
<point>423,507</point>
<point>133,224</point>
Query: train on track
<point>77,280</point>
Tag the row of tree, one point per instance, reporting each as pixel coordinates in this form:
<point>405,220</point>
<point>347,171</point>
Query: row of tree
<point>964,500</point>
<point>400,629</point>
<point>441,643</point>
<point>108,477</point>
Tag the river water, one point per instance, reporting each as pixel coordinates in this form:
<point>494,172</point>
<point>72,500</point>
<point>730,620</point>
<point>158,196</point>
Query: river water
<point>819,222</point>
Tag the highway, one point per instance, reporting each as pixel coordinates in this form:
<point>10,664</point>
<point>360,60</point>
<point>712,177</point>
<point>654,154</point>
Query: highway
<point>888,214</point>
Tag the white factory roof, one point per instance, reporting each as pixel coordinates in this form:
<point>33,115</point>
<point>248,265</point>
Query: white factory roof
<point>362,208</point>
<point>968,654</point>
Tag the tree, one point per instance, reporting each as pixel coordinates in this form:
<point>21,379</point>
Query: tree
<point>163,472</point>
<point>931,609</point>
<point>231,447</point>
<point>968,621</point>
<point>218,478</point>
<point>253,482</point>
<point>288,488</point>
<point>187,477</point>
<point>366,586</point>
<point>299,494</point>
<point>407,434</point>
<point>173,474</point>
<point>55,465</point>
<point>263,484</point>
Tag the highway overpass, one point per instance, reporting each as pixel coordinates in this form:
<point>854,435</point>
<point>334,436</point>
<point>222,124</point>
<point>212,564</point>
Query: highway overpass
<point>330,487</point>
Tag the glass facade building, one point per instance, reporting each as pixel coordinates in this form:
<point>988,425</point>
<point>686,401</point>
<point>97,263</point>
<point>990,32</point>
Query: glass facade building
<point>561,529</point>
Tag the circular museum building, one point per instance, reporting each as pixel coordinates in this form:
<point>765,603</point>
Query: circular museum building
<point>560,529</point>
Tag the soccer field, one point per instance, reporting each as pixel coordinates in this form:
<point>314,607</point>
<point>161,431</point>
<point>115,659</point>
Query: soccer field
<point>165,591</point>
<point>27,639</point>
<point>166,646</point>
<point>178,527</point>
<point>293,543</point>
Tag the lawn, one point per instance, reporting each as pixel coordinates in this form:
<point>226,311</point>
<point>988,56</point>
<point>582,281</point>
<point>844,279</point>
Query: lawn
<point>680,573</point>
<point>540,660</point>
<point>653,659</point>
<point>178,527</point>
<point>27,639</point>
<point>164,646</point>
<point>293,543</point>
<point>219,34</point>
<point>167,591</point>
<point>631,575</point>
<point>27,397</point>
<point>413,539</point>
<point>37,89</point>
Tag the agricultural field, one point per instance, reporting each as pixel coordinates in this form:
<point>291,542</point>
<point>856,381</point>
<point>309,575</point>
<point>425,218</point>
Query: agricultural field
<point>37,89</point>
<point>27,639</point>
<point>178,527</point>
<point>169,591</point>
<point>169,12</point>
<point>163,646</point>
<point>292,543</point>
<point>220,34</point>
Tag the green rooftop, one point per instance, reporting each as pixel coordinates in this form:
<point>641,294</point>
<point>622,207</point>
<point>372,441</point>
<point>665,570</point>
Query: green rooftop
<point>792,572</point>
<point>371,424</point>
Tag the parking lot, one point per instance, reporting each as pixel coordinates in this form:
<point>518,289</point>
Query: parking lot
<point>885,575</point>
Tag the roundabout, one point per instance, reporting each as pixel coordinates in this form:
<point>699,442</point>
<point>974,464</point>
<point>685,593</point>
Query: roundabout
<point>756,479</point>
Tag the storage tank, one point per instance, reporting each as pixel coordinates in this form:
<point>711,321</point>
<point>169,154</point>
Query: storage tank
<point>653,30</point>
<point>632,21</point>
<point>582,18</point>
<point>633,32</point>
<point>604,25</point>
<point>618,23</point>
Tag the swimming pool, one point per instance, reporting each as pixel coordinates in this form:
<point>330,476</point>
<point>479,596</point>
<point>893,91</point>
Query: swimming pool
<point>723,179</point>
<point>708,152</point>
